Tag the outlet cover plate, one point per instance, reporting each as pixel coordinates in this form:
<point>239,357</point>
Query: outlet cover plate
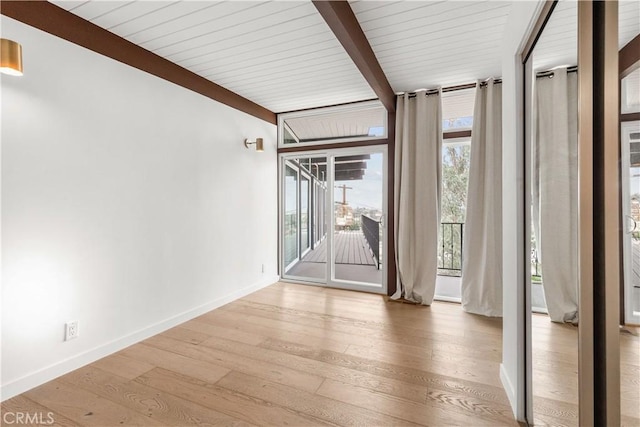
<point>71,330</point>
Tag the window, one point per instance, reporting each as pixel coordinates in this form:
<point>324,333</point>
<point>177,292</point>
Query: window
<point>630,93</point>
<point>457,109</point>
<point>457,117</point>
<point>345,123</point>
<point>455,178</point>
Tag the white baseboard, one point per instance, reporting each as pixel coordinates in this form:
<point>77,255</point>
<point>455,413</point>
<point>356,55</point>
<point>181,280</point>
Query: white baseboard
<point>445,298</point>
<point>55,370</point>
<point>508,388</point>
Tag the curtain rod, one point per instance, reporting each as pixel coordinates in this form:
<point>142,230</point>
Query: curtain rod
<point>454,88</point>
<point>549,73</point>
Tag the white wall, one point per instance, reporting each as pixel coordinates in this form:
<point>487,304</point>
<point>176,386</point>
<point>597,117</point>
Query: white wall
<point>448,288</point>
<point>128,203</point>
<point>521,19</point>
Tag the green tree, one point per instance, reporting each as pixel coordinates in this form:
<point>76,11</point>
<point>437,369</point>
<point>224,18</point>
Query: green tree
<point>455,178</point>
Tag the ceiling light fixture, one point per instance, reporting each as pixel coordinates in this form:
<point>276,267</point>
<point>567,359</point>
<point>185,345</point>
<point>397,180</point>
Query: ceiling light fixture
<point>10,57</point>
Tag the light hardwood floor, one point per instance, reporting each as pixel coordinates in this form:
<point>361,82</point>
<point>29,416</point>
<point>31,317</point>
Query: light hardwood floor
<point>300,355</point>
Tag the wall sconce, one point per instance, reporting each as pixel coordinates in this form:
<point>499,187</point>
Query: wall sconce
<point>258,142</point>
<point>10,57</point>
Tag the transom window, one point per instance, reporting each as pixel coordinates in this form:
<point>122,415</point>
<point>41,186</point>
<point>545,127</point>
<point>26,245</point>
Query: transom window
<point>345,123</point>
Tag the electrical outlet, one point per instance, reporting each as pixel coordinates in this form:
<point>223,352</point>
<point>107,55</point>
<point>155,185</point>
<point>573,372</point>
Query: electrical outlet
<point>71,330</point>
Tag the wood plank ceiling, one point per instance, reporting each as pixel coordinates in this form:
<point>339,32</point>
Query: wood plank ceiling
<point>558,44</point>
<point>281,55</point>
<point>427,44</point>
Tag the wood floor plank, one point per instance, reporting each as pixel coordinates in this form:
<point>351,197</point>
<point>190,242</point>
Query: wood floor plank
<point>235,404</point>
<point>325,370</point>
<point>430,359</point>
<point>411,375</point>
<point>175,362</point>
<point>200,324</point>
<point>243,362</point>
<point>85,408</point>
<point>417,320</point>
<point>38,415</point>
<point>356,331</point>
<point>435,410</point>
<point>332,411</point>
<point>187,335</point>
<point>123,366</point>
<point>152,403</point>
<point>290,332</point>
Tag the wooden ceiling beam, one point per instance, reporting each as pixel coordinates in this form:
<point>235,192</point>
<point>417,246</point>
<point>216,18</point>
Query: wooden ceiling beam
<point>629,57</point>
<point>344,24</point>
<point>56,21</point>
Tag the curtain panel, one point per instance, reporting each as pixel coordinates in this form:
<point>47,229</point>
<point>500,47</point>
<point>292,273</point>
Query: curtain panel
<point>418,164</point>
<point>555,191</point>
<point>481,285</point>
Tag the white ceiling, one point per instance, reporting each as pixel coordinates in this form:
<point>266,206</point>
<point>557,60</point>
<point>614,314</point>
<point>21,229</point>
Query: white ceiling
<point>281,55</point>
<point>558,44</point>
<point>426,44</point>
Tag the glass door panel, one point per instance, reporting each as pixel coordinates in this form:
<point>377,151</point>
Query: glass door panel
<point>290,229</point>
<point>304,213</point>
<point>358,194</point>
<point>304,243</point>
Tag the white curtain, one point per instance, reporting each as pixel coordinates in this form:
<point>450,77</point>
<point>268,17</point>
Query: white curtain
<point>482,243</point>
<point>555,191</point>
<point>418,163</point>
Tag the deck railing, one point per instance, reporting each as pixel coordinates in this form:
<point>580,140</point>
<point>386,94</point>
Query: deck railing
<point>371,230</point>
<point>450,250</point>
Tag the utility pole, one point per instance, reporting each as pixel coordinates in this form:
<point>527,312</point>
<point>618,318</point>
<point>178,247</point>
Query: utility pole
<point>344,192</point>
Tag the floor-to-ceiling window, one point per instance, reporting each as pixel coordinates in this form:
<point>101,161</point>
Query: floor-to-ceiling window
<point>457,113</point>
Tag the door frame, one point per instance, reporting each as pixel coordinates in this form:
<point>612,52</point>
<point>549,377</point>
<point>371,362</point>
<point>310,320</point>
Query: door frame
<point>331,154</point>
<point>598,215</point>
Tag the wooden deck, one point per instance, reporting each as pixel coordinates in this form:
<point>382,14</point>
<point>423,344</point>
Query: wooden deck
<point>350,248</point>
<point>354,261</point>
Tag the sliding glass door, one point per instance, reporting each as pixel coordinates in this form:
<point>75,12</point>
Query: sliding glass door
<point>341,246</point>
<point>302,219</point>
<point>358,219</point>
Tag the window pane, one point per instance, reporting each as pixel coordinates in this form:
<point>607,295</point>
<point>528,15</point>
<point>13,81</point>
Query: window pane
<point>304,213</point>
<point>344,124</point>
<point>457,109</point>
<point>455,178</point>
<point>358,196</point>
<point>288,138</point>
<point>291,215</point>
<point>305,229</point>
<point>630,93</point>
